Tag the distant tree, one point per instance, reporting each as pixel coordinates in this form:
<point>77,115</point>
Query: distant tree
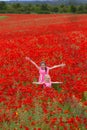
<point>86,6</point>
<point>28,8</point>
<point>10,9</point>
<point>62,6</point>
<point>73,8</point>
<point>41,8</point>
<point>80,9</point>
<point>44,7</point>
<point>37,5</point>
<point>55,9</point>
<point>3,5</point>
<point>85,9</point>
<point>16,5</point>
<point>36,9</point>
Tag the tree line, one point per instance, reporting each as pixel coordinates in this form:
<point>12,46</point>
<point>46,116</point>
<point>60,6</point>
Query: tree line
<point>40,8</point>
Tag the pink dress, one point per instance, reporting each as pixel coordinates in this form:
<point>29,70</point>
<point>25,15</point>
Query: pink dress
<point>42,74</point>
<point>47,85</point>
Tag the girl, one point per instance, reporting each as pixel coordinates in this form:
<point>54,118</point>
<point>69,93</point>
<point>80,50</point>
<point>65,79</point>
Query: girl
<point>43,69</point>
<point>47,82</point>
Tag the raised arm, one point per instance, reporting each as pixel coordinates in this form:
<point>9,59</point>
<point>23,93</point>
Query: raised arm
<point>27,58</point>
<point>57,82</point>
<point>57,66</point>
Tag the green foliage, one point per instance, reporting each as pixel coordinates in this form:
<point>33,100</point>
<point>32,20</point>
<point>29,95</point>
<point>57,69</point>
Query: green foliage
<point>3,17</point>
<point>85,96</point>
<point>41,8</point>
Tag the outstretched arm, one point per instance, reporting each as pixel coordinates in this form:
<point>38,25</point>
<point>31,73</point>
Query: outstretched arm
<point>27,58</point>
<point>56,66</point>
<point>57,82</point>
<point>37,83</point>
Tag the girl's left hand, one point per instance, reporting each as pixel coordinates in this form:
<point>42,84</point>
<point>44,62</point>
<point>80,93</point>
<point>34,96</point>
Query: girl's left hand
<point>27,58</point>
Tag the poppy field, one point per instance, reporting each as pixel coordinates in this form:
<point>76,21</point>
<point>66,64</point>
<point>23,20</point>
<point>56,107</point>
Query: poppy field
<point>54,39</point>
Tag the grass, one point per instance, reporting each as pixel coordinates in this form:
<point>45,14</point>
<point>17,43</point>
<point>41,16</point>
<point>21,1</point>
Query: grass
<point>3,17</point>
<point>22,117</point>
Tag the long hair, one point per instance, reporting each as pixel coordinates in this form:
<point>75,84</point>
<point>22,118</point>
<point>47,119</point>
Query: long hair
<point>45,65</point>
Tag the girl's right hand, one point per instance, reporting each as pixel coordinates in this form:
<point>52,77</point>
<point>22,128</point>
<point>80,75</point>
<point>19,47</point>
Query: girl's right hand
<point>62,65</point>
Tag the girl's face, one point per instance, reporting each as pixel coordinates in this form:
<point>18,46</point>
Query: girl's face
<point>43,66</point>
<point>47,79</point>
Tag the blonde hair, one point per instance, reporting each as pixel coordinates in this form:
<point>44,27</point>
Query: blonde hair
<point>47,76</point>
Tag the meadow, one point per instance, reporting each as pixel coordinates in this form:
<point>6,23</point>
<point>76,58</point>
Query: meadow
<point>55,39</point>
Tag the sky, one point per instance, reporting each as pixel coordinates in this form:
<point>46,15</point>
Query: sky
<point>4,0</point>
<point>21,0</point>
<point>14,0</point>
<point>42,0</point>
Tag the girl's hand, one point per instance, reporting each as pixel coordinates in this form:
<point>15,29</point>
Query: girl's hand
<point>62,65</point>
<point>27,58</point>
